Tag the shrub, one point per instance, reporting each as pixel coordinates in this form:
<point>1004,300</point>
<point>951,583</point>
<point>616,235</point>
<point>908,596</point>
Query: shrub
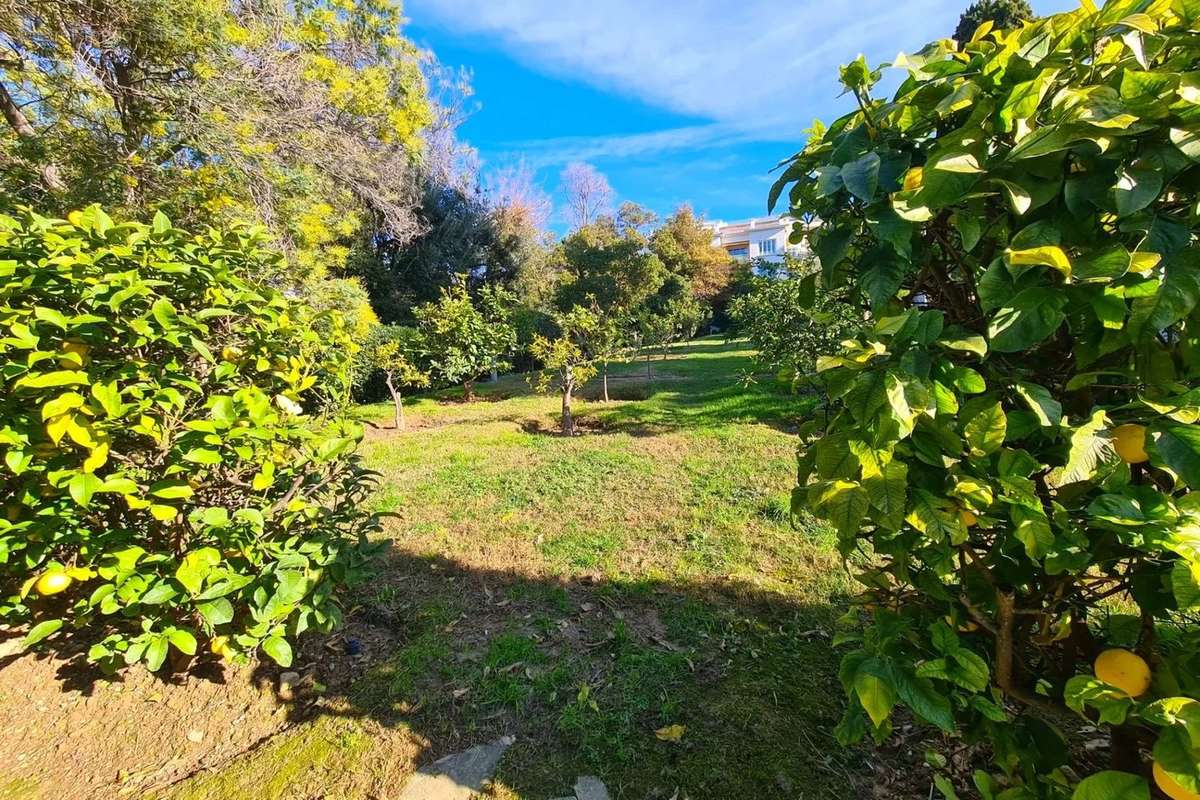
<point>463,339</point>
<point>167,478</point>
<point>790,324</point>
<point>1013,443</point>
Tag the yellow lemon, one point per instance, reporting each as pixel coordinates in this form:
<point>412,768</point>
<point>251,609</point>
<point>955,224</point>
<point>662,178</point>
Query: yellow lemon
<point>1128,671</point>
<point>1170,786</point>
<point>1130,443</point>
<point>968,517</point>
<point>53,582</point>
<point>76,348</point>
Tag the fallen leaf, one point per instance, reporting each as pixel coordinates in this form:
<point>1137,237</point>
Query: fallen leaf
<point>671,733</point>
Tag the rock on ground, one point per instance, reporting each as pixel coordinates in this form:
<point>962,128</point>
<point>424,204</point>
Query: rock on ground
<point>458,776</point>
<point>589,787</point>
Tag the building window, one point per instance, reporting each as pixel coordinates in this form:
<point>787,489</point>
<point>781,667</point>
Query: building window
<point>766,247</point>
<point>740,250</point>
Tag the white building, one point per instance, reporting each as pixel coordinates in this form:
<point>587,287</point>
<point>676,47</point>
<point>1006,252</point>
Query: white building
<point>761,237</point>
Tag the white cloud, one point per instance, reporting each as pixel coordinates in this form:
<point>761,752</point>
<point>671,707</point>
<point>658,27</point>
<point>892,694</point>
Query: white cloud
<point>565,149</point>
<point>766,65</point>
<point>757,69</point>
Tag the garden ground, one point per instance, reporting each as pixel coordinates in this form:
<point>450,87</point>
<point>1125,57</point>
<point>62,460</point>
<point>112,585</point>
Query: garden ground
<point>578,594</point>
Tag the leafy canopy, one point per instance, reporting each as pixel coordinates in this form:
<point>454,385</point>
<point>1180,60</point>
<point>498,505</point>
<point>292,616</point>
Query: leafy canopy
<point>1020,217</point>
<point>169,442</point>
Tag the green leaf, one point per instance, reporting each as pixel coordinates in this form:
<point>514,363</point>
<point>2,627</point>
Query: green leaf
<point>1090,448</point>
<point>923,699</point>
<point>1175,755</point>
<point>1112,785</point>
<point>985,430</point>
<point>184,641</point>
<point>109,397</point>
<point>876,695</point>
<point>844,504</point>
<point>172,490</point>
<point>203,455</point>
<point>887,491</point>
<point>46,380</point>
<point>1179,448</point>
<point>881,280</point>
<point>1178,294</point>
<point>82,486</point>
<point>195,566</point>
<point>216,612</point>
<point>1185,584</point>
<point>1102,265</point>
<point>1029,318</point>
<point>1137,188</point>
<point>861,177</point>
<point>156,653</point>
<point>40,631</point>
<point>1041,403</point>
<point>279,650</point>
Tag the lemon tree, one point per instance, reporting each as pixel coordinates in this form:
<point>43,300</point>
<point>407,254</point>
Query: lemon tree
<point>172,469</point>
<point>1011,452</point>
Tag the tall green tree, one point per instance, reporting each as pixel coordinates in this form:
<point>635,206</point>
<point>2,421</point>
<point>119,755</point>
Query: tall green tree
<point>685,246</point>
<point>303,116</point>
<point>1002,14</point>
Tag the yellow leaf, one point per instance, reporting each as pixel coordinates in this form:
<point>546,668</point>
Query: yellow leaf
<point>163,513</point>
<point>914,179</point>
<point>97,459</point>
<point>1143,262</point>
<point>81,432</point>
<point>57,427</point>
<point>1047,255</point>
<point>671,733</point>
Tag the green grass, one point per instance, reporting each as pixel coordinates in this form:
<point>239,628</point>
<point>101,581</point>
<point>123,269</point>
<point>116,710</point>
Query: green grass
<point>583,593</point>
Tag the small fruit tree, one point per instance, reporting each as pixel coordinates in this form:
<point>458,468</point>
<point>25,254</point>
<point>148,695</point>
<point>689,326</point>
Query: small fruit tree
<point>566,362</point>
<point>396,352</point>
<point>170,468</point>
<point>465,339</point>
<point>788,323</point>
<point>1012,451</point>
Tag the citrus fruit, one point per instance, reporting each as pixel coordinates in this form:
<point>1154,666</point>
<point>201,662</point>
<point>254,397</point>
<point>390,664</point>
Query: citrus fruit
<point>1127,671</point>
<point>53,582</point>
<point>1170,786</point>
<point>1130,443</point>
<point>76,348</point>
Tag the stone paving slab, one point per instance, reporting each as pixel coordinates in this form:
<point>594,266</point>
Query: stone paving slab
<point>458,776</point>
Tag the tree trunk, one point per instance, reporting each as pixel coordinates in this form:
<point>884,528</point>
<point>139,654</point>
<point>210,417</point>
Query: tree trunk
<point>398,401</point>
<point>568,422</point>
<point>20,125</point>
<point>606,381</point>
<point>648,354</point>
<point>469,390</point>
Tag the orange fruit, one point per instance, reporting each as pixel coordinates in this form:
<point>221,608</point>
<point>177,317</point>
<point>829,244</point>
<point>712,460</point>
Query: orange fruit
<point>1130,443</point>
<point>1127,671</point>
<point>53,582</point>
<point>1170,786</point>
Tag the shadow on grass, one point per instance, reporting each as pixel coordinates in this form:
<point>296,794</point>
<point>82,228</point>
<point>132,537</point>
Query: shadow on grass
<point>582,673</point>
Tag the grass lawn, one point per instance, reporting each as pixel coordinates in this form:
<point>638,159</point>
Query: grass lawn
<point>580,594</point>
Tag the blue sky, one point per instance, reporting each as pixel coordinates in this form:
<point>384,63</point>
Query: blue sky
<point>675,102</point>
